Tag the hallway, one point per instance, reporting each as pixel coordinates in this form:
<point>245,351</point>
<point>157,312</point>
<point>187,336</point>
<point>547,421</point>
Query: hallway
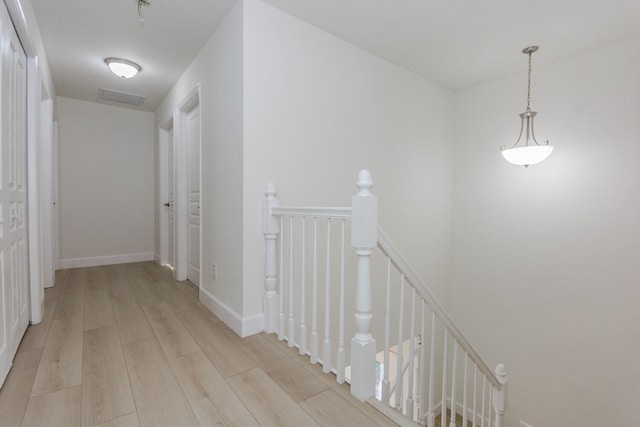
<point>126,345</point>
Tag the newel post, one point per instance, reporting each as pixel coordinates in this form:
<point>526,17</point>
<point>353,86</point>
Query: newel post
<point>271,229</point>
<point>364,237</point>
<point>498,395</point>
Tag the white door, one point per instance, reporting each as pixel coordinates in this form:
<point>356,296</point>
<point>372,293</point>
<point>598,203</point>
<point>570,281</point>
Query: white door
<point>169,203</point>
<point>14,303</point>
<point>193,191</point>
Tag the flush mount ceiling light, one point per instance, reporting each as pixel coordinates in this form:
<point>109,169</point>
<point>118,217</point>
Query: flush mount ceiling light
<point>122,67</point>
<point>532,151</point>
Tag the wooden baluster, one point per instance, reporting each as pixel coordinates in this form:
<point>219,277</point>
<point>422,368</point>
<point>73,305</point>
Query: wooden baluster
<point>475,393</point>
<point>303,287</point>
<point>364,237</point>
<point>314,315</point>
<point>291,319</point>
<point>431,416</point>
<point>409,410</point>
<point>484,389</point>
<point>464,392</point>
<point>399,361</point>
<point>454,367</point>
<point>326,345</point>
<point>421,373</point>
<point>498,395</point>
<point>281,287</point>
<point>445,360</point>
<point>270,229</point>
<point>490,404</point>
<point>385,380</point>
<point>341,362</point>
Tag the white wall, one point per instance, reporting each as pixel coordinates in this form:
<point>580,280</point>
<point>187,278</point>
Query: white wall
<point>286,102</point>
<point>218,69</point>
<point>317,110</point>
<point>106,162</point>
<point>546,259</point>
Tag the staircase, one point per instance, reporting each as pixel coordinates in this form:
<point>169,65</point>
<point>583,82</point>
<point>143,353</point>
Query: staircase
<point>406,356</point>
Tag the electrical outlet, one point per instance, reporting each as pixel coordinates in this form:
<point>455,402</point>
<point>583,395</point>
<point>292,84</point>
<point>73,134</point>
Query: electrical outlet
<point>523,424</point>
<point>214,271</point>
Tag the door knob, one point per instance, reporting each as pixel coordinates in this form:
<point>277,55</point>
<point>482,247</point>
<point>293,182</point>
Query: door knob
<point>167,204</point>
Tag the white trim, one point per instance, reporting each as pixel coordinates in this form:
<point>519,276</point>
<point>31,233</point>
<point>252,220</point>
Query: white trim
<point>34,192</point>
<point>163,154</point>
<point>156,258</point>
<point>242,326</point>
<point>106,260</point>
<point>20,23</point>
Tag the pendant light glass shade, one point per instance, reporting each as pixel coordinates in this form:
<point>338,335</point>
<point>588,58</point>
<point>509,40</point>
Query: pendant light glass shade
<point>525,156</point>
<point>122,67</point>
<point>532,151</point>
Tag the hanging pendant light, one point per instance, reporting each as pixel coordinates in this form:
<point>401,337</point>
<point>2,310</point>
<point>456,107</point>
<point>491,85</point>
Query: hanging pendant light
<point>532,151</point>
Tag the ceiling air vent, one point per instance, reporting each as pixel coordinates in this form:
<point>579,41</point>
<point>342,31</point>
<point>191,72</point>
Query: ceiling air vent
<point>121,97</point>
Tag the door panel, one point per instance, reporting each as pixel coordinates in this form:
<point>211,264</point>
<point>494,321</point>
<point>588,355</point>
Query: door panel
<point>193,189</point>
<point>14,294</point>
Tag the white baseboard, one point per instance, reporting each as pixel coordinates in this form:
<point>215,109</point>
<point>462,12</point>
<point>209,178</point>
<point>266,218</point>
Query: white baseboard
<point>242,326</point>
<point>105,260</point>
<point>156,258</point>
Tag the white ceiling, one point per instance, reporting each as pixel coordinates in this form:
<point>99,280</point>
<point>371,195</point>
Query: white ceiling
<point>457,43</point>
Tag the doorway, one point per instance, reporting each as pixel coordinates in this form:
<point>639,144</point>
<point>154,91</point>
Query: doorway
<point>180,183</point>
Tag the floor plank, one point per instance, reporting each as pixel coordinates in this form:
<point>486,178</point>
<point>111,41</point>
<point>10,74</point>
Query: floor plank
<point>70,302</point>
<point>61,408</point>
<point>119,286</point>
<point>345,392</point>
<point>97,279</point>
<point>98,311</point>
<point>158,396</point>
<point>132,323</point>
<point>329,409</point>
<point>211,398</point>
<point>106,393</point>
<point>130,420</point>
<point>225,355</point>
<point>278,410</point>
<point>172,335</point>
<point>36,335</point>
<point>15,393</point>
<point>298,382</point>
<point>61,363</point>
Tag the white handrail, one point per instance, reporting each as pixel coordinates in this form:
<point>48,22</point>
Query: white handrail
<point>320,212</point>
<point>389,249</point>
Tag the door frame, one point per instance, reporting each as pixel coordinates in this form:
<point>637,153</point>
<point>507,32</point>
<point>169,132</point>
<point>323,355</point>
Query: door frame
<point>34,84</point>
<point>47,182</point>
<point>181,218</point>
<point>163,177</point>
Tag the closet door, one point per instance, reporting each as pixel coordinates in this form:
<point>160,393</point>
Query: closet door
<point>14,294</point>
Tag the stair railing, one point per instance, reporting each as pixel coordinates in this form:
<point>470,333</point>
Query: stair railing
<point>466,385</point>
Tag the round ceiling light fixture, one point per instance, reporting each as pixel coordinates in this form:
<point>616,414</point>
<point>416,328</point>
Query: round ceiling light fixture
<point>122,67</point>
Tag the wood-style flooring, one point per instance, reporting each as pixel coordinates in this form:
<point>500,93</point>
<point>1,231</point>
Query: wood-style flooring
<point>126,345</point>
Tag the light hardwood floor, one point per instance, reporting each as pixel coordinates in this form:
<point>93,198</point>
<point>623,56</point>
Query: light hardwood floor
<point>126,345</point>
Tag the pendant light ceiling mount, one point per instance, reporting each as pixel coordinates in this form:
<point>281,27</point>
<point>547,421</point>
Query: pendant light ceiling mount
<point>123,67</point>
<point>532,151</point>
